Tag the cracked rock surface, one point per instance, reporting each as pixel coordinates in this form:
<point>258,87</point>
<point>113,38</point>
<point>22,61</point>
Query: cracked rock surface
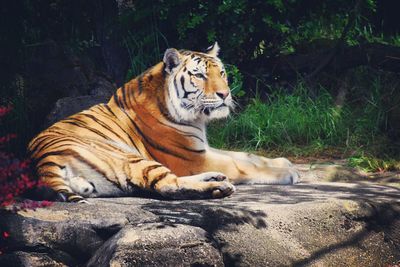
<point>314,223</point>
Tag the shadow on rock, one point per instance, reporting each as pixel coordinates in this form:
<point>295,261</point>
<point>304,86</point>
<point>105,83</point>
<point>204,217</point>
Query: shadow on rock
<point>211,217</point>
<point>385,218</point>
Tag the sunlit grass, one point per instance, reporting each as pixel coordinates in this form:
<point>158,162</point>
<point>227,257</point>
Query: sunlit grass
<point>373,164</point>
<point>300,125</point>
<point>285,120</point>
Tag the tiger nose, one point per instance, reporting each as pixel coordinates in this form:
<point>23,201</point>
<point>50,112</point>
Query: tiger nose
<point>222,93</point>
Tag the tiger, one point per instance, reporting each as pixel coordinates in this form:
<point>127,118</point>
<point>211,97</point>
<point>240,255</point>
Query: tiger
<point>151,137</point>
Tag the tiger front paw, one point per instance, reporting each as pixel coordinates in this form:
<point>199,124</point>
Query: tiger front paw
<point>200,186</point>
<point>222,189</point>
<point>215,185</point>
<point>292,177</point>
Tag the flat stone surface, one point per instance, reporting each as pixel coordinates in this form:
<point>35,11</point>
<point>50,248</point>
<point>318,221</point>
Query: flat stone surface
<point>158,244</point>
<point>314,223</point>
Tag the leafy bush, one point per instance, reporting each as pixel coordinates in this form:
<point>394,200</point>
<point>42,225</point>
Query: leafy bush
<point>235,80</point>
<point>15,173</point>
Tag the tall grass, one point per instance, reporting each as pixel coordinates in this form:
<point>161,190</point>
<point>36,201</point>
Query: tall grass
<point>144,49</point>
<point>284,120</point>
<point>301,125</point>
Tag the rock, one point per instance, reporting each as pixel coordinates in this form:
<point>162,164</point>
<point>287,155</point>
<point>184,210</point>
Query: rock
<point>67,106</point>
<point>101,91</point>
<point>21,258</point>
<point>158,245</point>
<point>314,223</point>
<point>101,86</point>
<point>53,72</point>
<point>74,229</point>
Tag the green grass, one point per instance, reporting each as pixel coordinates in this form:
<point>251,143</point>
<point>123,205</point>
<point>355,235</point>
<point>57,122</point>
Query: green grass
<point>284,121</point>
<point>300,125</point>
<point>372,164</point>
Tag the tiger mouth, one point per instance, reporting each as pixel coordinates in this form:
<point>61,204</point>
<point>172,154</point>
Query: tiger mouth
<point>208,110</point>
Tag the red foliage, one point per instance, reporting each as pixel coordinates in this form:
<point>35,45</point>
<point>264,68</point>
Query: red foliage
<point>15,174</point>
<point>15,178</point>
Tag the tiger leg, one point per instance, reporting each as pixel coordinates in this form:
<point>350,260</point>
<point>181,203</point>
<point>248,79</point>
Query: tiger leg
<point>156,177</point>
<point>53,175</point>
<point>247,168</point>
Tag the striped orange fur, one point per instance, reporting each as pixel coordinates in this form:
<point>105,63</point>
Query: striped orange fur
<point>151,135</point>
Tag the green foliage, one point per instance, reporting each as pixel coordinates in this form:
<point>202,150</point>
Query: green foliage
<point>301,124</point>
<point>275,25</point>
<point>235,80</point>
<point>144,50</point>
<point>372,164</point>
<point>252,34</point>
<point>284,120</point>
<point>320,28</point>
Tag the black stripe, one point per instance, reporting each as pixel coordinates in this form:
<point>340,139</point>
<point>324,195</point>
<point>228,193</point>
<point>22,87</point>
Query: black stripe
<point>124,95</point>
<point>140,84</point>
<point>193,150</point>
<point>185,92</point>
<point>158,178</point>
<point>109,110</point>
<point>49,174</point>
<point>127,134</point>
<point>72,153</point>
<point>168,117</point>
<point>101,124</point>
<point>150,142</point>
<point>117,124</point>
<point>55,141</point>
<point>182,80</point>
<point>50,163</point>
<point>136,160</point>
<point>74,198</point>
<point>84,125</point>
<point>146,170</point>
<point>116,99</point>
<point>105,146</point>
<point>176,87</point>
<point>47,154</point>
<point>34,149</point>
<point>134,125</point>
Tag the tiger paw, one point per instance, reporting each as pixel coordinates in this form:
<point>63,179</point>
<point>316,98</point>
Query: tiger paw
<point>224,189</point>
<point>293,176</point>
<point>200,186</point>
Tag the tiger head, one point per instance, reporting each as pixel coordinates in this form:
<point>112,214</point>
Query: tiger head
<point>197,85</point>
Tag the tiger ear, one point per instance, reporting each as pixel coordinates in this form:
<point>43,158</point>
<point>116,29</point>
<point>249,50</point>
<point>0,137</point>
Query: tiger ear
<point>213,50</point>
<point>171,59</point>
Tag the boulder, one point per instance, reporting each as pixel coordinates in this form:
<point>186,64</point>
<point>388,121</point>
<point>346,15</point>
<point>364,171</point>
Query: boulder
<point>53,73</point>
<point>314,223</point>
<point>68,106</point>
<point>158,244</point>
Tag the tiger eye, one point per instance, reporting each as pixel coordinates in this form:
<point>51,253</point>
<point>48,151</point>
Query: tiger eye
<point>200,76</point>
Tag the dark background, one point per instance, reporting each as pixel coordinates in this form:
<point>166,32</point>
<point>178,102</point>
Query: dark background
<point>52,49</point>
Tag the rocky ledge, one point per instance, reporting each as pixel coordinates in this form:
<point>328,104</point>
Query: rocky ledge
<point>314,223</point>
